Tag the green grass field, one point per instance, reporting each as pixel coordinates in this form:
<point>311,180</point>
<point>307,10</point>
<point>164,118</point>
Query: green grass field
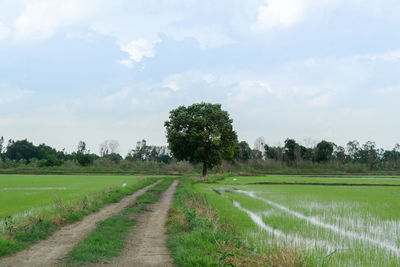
<point>335,225</point>
<point>395,180</point>
<point>26,194</point>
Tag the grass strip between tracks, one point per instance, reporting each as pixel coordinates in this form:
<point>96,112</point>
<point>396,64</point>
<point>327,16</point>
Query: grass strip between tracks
<point>108,239</point>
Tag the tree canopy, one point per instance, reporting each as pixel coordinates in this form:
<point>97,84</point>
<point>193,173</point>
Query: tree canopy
<point>201,133</point>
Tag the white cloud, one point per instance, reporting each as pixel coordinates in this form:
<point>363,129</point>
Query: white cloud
<point>306,90</point>
<point>280,13</point>
<point>286,13</point>
<point>126,62</point>
<point>117,96</point>
<point>4,31</point>
<point>384,56</point>
<point>207,37</point>
<point>40,18</point>
<point>176,82</point>
<point>209,78</point>
<point>10,94</point>
<point>173,85</point>
<point>137,50</point>
<point>321,101</point>
<point>246,91</point>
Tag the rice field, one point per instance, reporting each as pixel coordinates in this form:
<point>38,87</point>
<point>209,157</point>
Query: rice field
<point>335,225</point>
<point>23,195</point>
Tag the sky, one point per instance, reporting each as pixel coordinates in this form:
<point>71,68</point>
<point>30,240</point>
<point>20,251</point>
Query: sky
<point>96,70</point>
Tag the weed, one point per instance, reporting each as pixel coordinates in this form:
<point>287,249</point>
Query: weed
<point>9,223</point>
<point>147,198</point>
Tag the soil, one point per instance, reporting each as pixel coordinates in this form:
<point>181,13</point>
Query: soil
<point>53,250</point>
<point>146,244</point>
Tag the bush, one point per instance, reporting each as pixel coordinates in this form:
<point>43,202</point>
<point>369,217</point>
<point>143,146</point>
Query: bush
<point>84,159</point>
<point>51,161</point>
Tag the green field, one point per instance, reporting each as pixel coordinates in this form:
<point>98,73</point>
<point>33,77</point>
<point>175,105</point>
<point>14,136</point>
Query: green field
<point>26,194</point>
<point>335,225</point>
<point>393,180</point>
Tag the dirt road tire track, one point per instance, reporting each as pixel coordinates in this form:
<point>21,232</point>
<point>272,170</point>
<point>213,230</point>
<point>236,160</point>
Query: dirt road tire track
<point>54,249</point>
<point>146,245</point>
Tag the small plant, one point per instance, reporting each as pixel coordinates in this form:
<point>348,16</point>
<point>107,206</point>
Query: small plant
<point>85,202</point>
<point>9,223</point>
<point>190,216</point>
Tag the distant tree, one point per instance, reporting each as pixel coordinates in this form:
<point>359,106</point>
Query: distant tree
<point>306,153</point>
<point>1,148</point>
<point>109,147</point>
<point>396,148</point>
<point>82,156</point>
<point>275,153</point>
<point>1,144</point>
<point>392,157</point>
<point>144,152</point>
<point>353,149</point>
<point>242,151</point>
<point>21,150</point>
<point>369,154</point>
<point>259,143</point>
<point>201,133</point>
<point>256,154</point>
<point>291,149</point>
<point>82,147</point>
<point>323,151</point>
<point>140,153</point>
<point>339,153</point>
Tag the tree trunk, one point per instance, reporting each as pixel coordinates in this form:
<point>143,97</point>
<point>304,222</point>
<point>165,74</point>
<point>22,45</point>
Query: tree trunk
<point>204,169</point>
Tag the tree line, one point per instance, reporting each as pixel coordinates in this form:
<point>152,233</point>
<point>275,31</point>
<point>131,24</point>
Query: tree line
<point>24,152</point>
<point>292,152</point>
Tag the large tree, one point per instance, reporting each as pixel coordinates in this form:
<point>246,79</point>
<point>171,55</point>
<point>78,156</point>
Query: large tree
<point>201,133</point>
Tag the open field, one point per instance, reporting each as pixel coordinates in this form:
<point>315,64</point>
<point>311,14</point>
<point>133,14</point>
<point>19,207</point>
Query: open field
<point>334,225</point>
<point>26,194</point>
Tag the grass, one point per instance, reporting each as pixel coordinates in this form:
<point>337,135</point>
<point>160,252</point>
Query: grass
<point>16,235</point>
<point>335,225</point>
<point>108,239</point>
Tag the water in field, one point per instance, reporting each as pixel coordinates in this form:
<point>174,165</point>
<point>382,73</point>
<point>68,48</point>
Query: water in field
<point>338,226</point>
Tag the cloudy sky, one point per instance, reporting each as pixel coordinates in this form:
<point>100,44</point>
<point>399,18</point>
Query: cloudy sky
<point>92,70</point>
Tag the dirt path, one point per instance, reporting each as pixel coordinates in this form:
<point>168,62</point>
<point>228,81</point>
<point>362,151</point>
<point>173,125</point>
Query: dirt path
<point>51,251</point>
<point>146,245</point>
